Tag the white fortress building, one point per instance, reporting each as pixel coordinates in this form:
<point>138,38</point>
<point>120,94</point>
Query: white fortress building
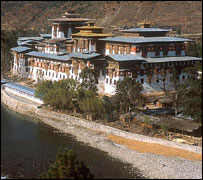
<point>148,55</point>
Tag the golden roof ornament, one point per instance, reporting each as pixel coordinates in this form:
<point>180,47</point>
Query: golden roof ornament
<point>145,24</point>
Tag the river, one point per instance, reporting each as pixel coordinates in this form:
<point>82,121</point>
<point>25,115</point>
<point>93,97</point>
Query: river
<point>28,147</point>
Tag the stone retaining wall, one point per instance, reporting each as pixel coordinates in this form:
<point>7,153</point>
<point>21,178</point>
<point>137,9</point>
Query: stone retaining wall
<point>18,106</point>
<point>110,130</point>
<point>32,110</point>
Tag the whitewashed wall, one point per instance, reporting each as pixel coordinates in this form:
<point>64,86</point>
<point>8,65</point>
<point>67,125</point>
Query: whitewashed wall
<point>24,95</point>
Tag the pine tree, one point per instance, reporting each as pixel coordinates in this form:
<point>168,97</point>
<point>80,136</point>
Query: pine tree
<point>43,88</point>
<point>67,166</point>
<point>189,94</point>
<point>88,80</point>
<point>89,103</point>
<point>129,94</point>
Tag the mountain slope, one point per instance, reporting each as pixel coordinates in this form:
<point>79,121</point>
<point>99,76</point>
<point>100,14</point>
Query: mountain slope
<point>34,14</point>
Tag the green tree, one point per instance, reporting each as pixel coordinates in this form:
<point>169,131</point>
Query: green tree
<point>88,79</point>
<point>189,94</point>
<point>69,85</point>
<point>194,49</point>
<point>190,98</point>
<point>58,98</point>
<point>129,94</point>
<point>162,78</point>
<point>176,84</point>
<point>109,107</point>
<point>60,95</point>
<point>67,166</point>
<point>43,88</point>
<point>89,103</point>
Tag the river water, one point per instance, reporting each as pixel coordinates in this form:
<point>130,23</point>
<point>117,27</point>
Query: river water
<point>28,147</point>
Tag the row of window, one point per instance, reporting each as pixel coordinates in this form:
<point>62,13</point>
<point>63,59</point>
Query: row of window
<point>144,52</point>
<point>156,65</point>
<point>109,81</point>
<point>128,49</point>
<point>180,63</point>
<point>83,44</point>
<point>52,74</point>
<point>141,72</point>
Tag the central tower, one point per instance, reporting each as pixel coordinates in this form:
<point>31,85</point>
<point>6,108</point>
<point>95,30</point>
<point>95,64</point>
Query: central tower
<point>64,26</point>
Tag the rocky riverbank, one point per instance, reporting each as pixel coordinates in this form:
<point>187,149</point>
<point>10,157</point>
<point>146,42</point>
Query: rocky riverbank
<point>151,164</point>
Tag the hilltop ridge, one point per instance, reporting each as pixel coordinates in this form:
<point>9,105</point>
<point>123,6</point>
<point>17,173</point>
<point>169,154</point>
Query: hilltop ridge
<point>186,15</point>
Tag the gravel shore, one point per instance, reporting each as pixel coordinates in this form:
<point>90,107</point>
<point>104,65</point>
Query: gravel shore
<point>151,165</point>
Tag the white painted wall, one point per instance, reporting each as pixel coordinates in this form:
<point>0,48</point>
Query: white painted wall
<point>24,95</point>
<point>52,32</point>
<point>57,32</point>
<point>111,88</point>
<point>107,52</point>
<point>48,74</point>
<point>48,51</point>
<point>61,34</point>
<point>148,87</point>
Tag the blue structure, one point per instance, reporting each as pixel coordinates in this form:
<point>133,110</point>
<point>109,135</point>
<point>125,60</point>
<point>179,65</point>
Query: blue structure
<point>22,91</point>
<point>20,88</point>
<point>49,56</point>
<point>145,30</point>
<point>138,40</point>
<point>126,57</point>
<point>20,49</point>
<point>4,81</point>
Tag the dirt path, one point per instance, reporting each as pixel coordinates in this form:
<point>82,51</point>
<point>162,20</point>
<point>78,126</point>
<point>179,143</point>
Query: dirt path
<point>155,148</point>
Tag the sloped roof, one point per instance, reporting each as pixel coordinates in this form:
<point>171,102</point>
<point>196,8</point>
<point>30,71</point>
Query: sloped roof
<point>136,40</point>
<point>27,42</point>
<point>3,81</point>
<point>64,19</point>
<point>55,40</point>
<point>20,88</point>
<point>180,124</point>
<point>126,57</point>
<point>49,56</point>
<point>20,49</point>
<point>90,27</point>
<point>87,55</point>
<point>87,34</point>
<point>46,35</point>
<point>170,122</point>
<point>145,30</point>
<point>171,59</point>
<point>29,38</point>
<point>40,44</point>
